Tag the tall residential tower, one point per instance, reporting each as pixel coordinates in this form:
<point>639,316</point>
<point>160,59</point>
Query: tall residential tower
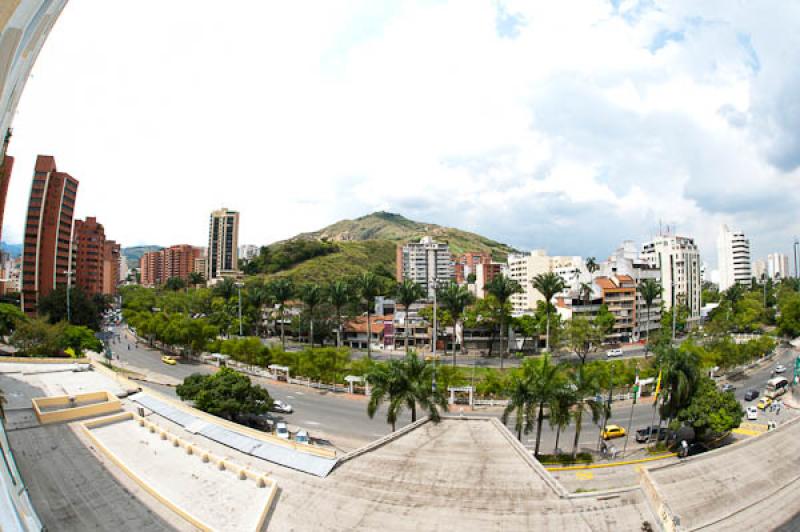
<point>733,256</point>
<point>223,245</point>
<point>678,258</point>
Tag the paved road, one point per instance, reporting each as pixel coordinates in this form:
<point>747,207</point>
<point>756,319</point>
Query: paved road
<point>344,421</point>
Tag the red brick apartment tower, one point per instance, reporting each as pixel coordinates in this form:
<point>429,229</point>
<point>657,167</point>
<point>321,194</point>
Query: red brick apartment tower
<point>111,251</point>
<point>48,232</point>
<point>5,177</point>
<point>150,268</point>
<point>178,261</point>
<point>89,239</point>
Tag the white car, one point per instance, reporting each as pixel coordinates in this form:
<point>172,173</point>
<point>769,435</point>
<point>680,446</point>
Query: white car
<point>302,437</point>
<point>282,431</point>
<point>780,368</point>
<point>614,353</point>
<point>752,413</point>
<point>282,407</point>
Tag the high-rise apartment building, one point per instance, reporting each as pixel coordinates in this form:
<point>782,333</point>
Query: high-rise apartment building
<point>6,165</point>
<point>466,263</point>
<point>523,267</point>
<point>150,268</point>
<point>733,256</point>
<point>111,267</point>
<point>427,262</point>
<point>248,251</point>
<point>223,245</point>
<point>678,259</point>
<point>175,261</point>
<point>88,241</point>
<point>777,266</point>
<point>759,268</point>
<point>484,273</point>
<point>48,232</point>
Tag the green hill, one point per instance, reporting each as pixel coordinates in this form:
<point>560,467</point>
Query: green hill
<point>350,247</point>
<point>134,253</point>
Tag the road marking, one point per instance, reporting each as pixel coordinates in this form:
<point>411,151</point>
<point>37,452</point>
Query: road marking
<point>300,393</point>
<point>746,432</point>
<point>290,396</point>
<point>311,423</point>
<point>584,475</point>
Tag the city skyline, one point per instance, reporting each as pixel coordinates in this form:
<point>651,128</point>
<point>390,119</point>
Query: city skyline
<point>525,156</point>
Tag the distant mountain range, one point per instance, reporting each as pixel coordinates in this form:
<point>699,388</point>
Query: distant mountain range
<point>134,253</point>
<point>367,243</point>
<point>15,250</point>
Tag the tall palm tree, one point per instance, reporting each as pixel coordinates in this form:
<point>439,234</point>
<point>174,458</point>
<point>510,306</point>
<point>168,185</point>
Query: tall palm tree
<point>561,404</point>
<point>502,288</point>
<point>520,402</point>
<point>282,290</point>
<point>369,287</point>
<point>257,296</point>
<point>407,293</point>
<point>546,379</point>
<point>586,385</point>
<point>404,384</point>
<point>680,373</point>
<point>591,265</point>
<point>548,284</point>
<point>650,290</point>
<point>339,295</point>
<point>311,295</point>
<point>454,299</point>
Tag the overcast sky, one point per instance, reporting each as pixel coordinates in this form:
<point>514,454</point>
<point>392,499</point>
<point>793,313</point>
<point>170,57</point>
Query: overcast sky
<point>568,126</point>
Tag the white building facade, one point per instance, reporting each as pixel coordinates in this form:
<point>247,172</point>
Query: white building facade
<point>678,259</point>
<point>733,258</point>
<point>523,267</point>
<point>427,262</point>
<point>777,266</point>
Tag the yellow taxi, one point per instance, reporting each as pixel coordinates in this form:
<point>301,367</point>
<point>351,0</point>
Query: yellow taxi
<point>763,403</point>
<point>168,360</point>
<point>613,431</point>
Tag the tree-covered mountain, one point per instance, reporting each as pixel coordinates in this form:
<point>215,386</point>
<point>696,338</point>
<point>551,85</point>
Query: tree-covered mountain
<point>134,253</point>
<point>349,247</point>
<point>15,250</point>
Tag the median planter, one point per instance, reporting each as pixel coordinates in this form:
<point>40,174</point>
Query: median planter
<point>565,459</point>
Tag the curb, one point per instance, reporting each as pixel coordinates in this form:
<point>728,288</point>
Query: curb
<point>615,464</point>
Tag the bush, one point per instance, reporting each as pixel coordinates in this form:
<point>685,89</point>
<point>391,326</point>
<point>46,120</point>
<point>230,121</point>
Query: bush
<point>565,459</point>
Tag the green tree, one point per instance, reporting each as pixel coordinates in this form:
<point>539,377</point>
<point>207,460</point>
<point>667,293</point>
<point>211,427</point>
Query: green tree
<point>711,412</point>
<point>339,294</point>
<point>549,284</point>
<point>407,293</point>
<point>680,372</point>
<point>226,393</point>
<point>36,337</point>
<point>561,404</point>
<point>174,284</point>
<point>79,339</point>
<point>312,296</point>
<point>10,317</point>
<point>582,337</point>
<point>502,288</point>
<point>196,279</point>
<point>454,299</point>
<point>402,384</point>
<point>83,310</point>
<point>226,288</point>
<point>591,265</point>
<point>650,290</point>
<point>546,380</point>
<point>586,386</point>
<point>282,290</point>
<point>521,402</point>
<point>789,319</point>
<point>368,287</point>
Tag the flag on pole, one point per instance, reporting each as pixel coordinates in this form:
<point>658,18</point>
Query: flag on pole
<point>658,386</point>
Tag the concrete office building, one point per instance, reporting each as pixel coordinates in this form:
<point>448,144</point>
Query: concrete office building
<point>733,258</point>
<point>678,259</point>
<point>777,266</point>
<point>759,269</point>
<point>248,251</point>
<point>426,262</point>
<point>523,267</point>
<point>46,256</point>
<point>223,245</point>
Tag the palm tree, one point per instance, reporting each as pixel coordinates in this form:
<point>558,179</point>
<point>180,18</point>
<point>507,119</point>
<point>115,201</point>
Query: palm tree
<point>680,372</point>
<point>282,290</point>
<point>196,279</point>
<point>650,289</point>
<point>454,299</point>
<point>591,265</point>
<point>311,295</point>
<point>339,295</point>
<point>545,378</point>
<point>257,296</point>
<point>521,402</point>
<point>407,293</point>
<point>586,384</point>
<point>369,287</point>
<point>585,290</point>
<point>502,288</point>
<point>561,404</point>
<point>548,284</point>
<point>404,384</point>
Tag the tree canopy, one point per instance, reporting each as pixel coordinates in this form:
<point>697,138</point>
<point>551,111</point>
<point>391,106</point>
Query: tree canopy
<point>226,393</point>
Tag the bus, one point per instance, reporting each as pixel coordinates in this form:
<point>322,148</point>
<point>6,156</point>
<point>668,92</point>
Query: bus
<point>776,387</point>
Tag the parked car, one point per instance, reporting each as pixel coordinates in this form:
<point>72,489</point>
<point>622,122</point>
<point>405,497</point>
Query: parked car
<point>613,431</point>
<point>764,403</point>
<point>614,353</point>
<point>302,437</point>
<point>168,360</point>
<point>280,406</point>
<point>752,413</point>
<point>728,387</point>
<point>282,431</point>
<point>780,368</point>
<point>750,395</point>
<point>654,432</point>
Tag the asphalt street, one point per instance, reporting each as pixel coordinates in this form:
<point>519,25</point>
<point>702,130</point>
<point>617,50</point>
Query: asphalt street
<point>343,419</point>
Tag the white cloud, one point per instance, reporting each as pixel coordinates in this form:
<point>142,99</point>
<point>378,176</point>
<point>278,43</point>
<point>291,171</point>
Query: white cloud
<point>571,125</point>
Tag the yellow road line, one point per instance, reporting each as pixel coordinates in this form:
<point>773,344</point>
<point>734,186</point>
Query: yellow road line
<point>747,432</point>
<point>614,464</point>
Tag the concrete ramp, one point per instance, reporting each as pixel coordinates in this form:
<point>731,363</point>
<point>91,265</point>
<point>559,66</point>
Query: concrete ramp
<point>272,452</point>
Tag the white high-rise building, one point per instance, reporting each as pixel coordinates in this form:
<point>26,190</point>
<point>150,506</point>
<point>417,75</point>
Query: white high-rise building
<point>678,258</point>
<point>759,269</point>
<point>523,267</point>
<point>223,245</point>
<point>733,256</point>
<point>248,251</point>
<point>427,263</point>
<point>777,266</point>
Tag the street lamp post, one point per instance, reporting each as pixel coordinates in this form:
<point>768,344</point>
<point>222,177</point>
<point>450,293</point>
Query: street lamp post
<point>239,286</point>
